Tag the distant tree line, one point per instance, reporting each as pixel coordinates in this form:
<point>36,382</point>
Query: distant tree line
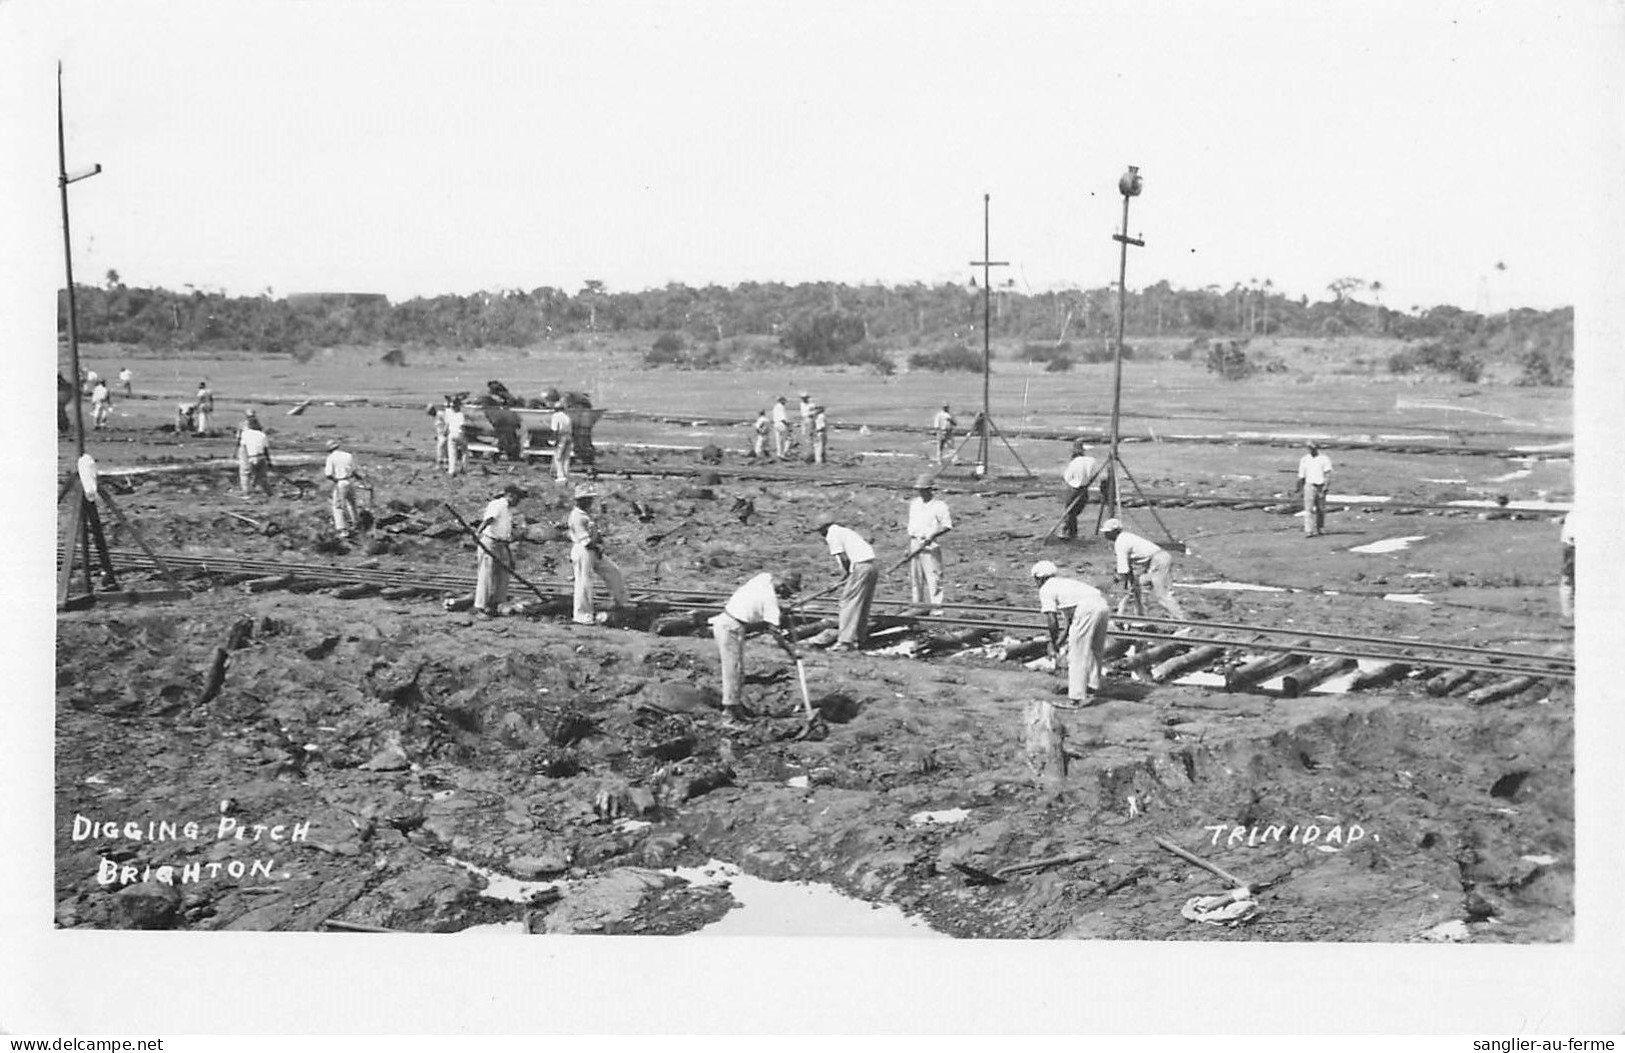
<point>816,322</point>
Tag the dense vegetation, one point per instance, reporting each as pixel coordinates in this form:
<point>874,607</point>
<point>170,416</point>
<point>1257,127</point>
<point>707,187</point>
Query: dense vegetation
<point>822,322</point>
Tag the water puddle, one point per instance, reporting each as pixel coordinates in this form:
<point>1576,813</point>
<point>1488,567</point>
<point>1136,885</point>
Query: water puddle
<point>766,908</point>
<point>1391,544</point>
<point>1521,473</point>
<point>1358,499</point>
<point>1516,506</point>
<point>782,908</point>
<point>1408,597</point>
<point>503,887</point>
<point>1231,586</point>
<point>1425,480</point>
<point>947,816</point>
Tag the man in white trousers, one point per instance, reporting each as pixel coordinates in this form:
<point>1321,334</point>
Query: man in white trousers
<point>928,520</point>
<point>1087,614</point>
<point>753,607</point>
<point>587,558</point>
<point>496,551</point>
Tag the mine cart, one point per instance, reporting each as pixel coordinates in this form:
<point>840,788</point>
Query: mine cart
<point>536,432</point>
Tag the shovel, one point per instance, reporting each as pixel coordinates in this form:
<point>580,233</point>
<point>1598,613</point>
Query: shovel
<point>978,876</point>
<point>806,699</point>
<point>1238,884</point>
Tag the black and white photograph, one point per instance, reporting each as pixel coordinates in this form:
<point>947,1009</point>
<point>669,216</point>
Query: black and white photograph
<point>813,517</point>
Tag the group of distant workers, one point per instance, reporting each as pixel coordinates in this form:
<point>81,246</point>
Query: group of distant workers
<point>811,443</point>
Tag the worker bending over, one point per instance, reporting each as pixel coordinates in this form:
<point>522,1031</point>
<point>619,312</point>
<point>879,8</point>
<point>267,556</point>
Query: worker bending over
<point>856,559</point>
<point>1138,557</point>
<point>1087,614</point>
<point>753,607</point>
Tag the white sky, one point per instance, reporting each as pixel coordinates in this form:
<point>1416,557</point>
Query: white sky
<point>415,148</point>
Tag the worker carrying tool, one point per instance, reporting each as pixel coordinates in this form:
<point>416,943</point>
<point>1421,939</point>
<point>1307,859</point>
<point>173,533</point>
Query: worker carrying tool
<point>754,607</point>
<point>253,455</point>
<point>1087,614</point>
<point>1137,557</point>
<point>341,469</point>
<point>587,558</point>
<point>856,558</point>
<point>495,538</point>
<point>1079,472</point>
<point>928,520</point>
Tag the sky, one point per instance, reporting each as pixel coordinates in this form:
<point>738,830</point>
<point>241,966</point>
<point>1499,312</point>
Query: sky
<point>417,148</point>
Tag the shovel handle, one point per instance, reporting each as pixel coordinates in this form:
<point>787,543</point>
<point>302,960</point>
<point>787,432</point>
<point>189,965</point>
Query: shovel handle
<point>1204,864</point>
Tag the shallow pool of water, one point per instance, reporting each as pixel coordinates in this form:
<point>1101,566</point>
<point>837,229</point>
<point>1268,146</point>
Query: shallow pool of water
<point>1231,586</point>
<point>783,908</point>
<point>1390,544</point>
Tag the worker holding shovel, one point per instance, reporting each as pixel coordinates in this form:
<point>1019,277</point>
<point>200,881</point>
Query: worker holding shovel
<point>495,539</point>
<point>928,520</point>
<point>754,606</point>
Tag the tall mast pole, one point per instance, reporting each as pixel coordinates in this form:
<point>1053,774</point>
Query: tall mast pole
<point>1129,186</point>
<point>986,263</point>
<point>67,256</point>
<point>987,336</point>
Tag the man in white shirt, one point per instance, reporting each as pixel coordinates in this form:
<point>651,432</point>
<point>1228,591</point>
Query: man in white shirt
<point>857,562</point>
<point>1079,472</point>
<point>456,437</point>
<point>820,435</point>
<point>1314,475</point>
<point>943,425</point>
<point>496,551</point>
<point>124,378</point>
<point>587,558</point>
<point>1088,616</point>
<point>253,456</point>
<point>1135,557</point>
<point>781,429</point>
<point>563,443</point>
<point>1565,581</point>
<point>808,410</point>
<point>753,606</point>
<point>928,520</point>
<point>340,468</point>
<point>101,402</point>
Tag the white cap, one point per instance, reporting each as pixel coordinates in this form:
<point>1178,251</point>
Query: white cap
<point>586,490</point>
<point>1111,525</point>
<point>1044,569</point>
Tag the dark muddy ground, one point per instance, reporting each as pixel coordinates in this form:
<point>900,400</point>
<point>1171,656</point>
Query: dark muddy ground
<point>392,741</point>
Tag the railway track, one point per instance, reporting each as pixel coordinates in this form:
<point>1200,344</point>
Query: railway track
<point>950,483</point>
<point>1231,656</point>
